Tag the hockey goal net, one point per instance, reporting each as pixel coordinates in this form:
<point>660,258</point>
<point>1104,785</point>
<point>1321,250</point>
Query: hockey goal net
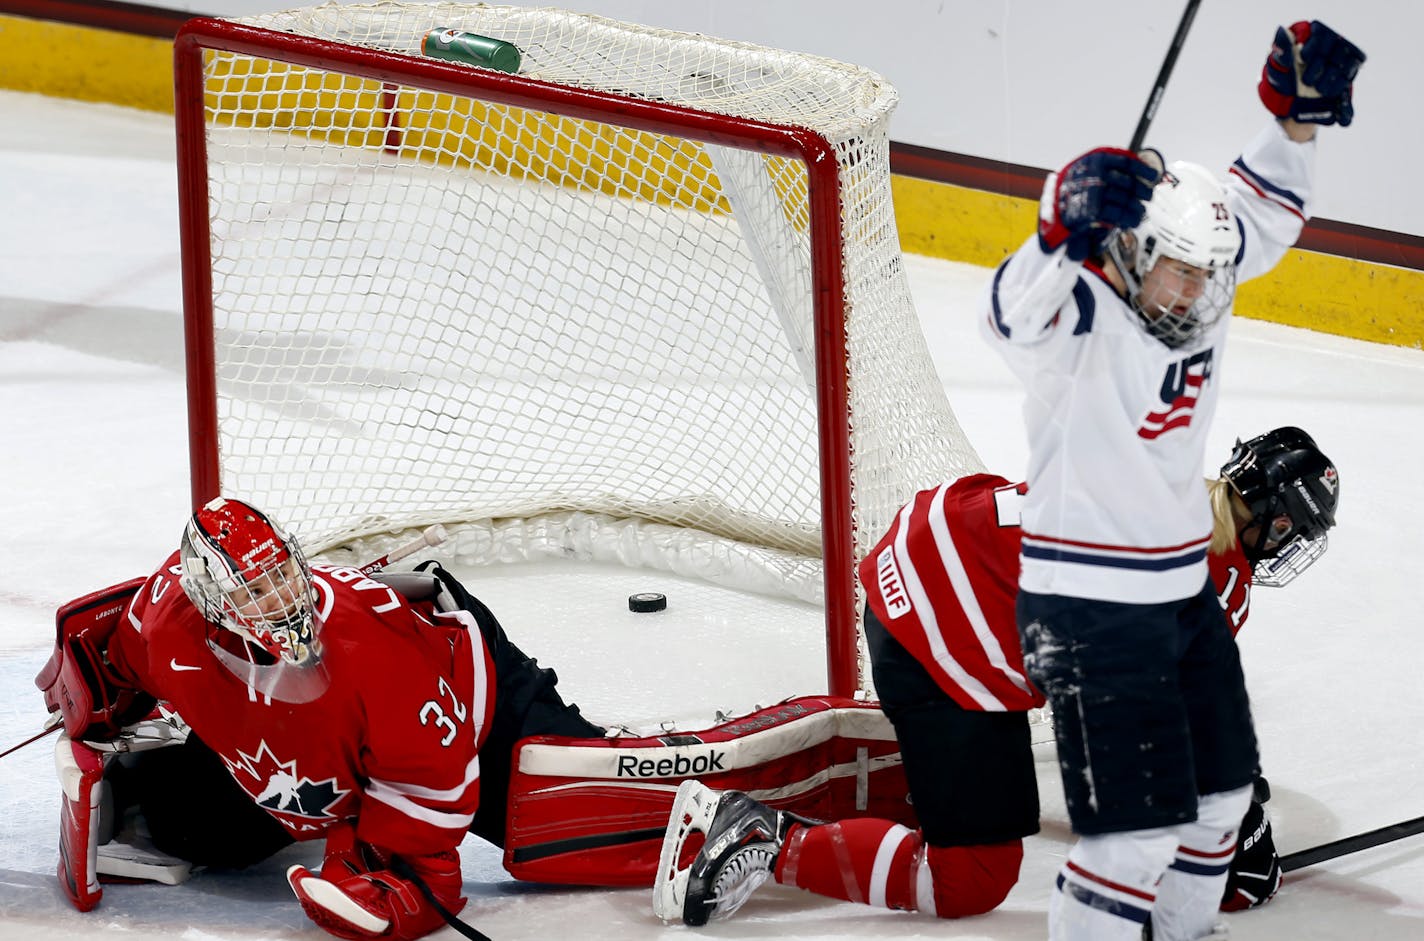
<point>642,301</point>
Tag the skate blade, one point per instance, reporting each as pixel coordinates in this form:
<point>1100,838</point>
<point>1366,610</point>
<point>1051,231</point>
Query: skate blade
<point>692,811</point>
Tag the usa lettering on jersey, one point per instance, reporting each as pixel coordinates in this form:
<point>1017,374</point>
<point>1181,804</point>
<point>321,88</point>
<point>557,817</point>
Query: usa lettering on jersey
<point>1181,389</point>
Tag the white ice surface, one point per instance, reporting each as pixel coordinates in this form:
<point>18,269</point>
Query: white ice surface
<point>94,477</point>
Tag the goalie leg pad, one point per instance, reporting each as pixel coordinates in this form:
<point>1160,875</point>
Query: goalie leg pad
<point>81,778</point>
<point>595,811</point>
<point>97,841</point>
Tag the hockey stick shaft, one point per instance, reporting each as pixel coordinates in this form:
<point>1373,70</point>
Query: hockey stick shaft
<point>33,738</point>
<point>404,870</point>
<point>1351,844</point>
<point>433,536</point>
<point>1160,86</point>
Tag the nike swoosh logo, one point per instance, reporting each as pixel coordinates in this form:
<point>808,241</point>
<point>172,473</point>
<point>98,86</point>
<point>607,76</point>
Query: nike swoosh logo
<point>177,667</point>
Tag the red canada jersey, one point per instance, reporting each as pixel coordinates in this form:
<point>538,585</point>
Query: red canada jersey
<point>390,743</point>
<point>944,581</point>
<point>1231,574</point>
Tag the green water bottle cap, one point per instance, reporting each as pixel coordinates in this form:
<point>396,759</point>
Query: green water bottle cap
<point>458,45</point>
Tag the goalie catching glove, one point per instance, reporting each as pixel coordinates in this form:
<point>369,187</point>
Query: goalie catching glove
<point>359,894</point>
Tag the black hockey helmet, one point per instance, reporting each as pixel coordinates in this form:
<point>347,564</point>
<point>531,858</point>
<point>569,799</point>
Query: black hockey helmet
<point>1291,490</point>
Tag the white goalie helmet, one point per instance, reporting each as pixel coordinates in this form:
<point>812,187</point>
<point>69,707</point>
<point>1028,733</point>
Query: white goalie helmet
<point>1187,220</point>
<point>247,576</point>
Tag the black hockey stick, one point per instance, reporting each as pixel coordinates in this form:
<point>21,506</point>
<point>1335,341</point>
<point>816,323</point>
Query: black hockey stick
<point>404,870</point>
<point>1150,111</point>
<point>1351,844</point>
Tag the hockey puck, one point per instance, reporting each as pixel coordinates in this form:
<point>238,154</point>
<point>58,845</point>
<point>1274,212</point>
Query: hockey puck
<point>647,601</point>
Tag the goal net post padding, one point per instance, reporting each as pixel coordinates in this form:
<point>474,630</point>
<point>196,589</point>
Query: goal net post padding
<point>641,302</point>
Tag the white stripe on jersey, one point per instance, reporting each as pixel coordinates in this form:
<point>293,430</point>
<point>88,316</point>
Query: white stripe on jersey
<point>964,594</point>
<point>480,691</point>
<point>929,623</point>
<point>404,798</point>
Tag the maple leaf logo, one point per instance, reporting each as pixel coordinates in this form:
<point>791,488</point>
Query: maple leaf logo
<point>277,786</point>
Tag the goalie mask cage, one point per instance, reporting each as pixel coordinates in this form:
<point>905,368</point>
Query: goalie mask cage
<point>641,302</point>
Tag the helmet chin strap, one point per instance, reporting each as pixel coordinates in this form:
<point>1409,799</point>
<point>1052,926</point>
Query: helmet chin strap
<point>1256,551</point>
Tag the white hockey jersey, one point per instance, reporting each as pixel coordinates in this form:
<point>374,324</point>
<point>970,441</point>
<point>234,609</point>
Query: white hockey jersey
<point>1116,420</point>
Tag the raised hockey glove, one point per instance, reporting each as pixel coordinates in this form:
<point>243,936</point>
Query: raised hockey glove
<point>1255,874</point>
<point>358,896</point>
<point>1309,75</point>
<point>1082,204</point>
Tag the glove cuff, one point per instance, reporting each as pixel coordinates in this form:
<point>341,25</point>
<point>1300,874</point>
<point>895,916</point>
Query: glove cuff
<point>1275,102</point>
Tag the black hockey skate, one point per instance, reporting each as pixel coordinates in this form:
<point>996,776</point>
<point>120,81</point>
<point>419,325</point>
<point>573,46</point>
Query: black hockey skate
<point>743,838</point>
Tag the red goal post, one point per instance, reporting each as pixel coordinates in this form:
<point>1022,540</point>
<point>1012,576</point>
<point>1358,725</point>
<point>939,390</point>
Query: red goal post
<point>417,291</point>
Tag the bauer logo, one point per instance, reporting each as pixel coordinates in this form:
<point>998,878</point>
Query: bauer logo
<point>679,765</point>
<point>892,586</point>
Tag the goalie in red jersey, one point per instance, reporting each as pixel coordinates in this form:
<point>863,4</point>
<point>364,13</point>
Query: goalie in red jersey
<point>948,666</point>
<point>319,703</point>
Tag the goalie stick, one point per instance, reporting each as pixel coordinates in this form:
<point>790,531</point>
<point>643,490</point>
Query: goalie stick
<point>1351,844</point>
<point>433,536</point>
<point>56,723</point>
<point>404,870</point>
<point>1160,86</point>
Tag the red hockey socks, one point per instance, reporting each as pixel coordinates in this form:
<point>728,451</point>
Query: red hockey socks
<point>877,862</point>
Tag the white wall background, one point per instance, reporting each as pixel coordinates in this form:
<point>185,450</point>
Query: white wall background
<point>1036,82</point>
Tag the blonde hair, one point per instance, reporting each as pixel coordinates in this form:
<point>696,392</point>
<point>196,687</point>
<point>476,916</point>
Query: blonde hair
<point>1228,513</point>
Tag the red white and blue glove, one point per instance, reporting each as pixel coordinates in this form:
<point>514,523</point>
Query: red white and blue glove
<point>1103,190</point>
<point>1310,74</point>
<point>358,895</point>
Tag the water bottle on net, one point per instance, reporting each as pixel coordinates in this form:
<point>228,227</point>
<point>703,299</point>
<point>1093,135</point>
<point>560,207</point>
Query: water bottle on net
<point>458,45</point>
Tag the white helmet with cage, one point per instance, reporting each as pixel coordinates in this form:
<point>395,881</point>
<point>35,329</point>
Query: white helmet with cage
<point>247,576</point>
<point>1187,220</point>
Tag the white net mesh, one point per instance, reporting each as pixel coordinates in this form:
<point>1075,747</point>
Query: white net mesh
<point>433,308</point>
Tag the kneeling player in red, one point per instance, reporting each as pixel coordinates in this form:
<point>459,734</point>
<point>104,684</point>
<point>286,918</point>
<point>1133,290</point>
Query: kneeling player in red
<point>948,666</point>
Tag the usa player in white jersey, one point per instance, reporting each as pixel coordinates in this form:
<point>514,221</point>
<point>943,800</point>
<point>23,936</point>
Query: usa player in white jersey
<point>1114,318</point>
<point>940,588</point>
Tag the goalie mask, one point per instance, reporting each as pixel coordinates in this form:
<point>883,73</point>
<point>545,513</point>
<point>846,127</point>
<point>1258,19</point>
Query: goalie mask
<point>1179,265</point>
<point>247,576</point>
<point>1291,490</point>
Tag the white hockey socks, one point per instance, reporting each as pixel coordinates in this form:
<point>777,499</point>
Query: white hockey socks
<point>1190,892</point>
<point>1108,885</point>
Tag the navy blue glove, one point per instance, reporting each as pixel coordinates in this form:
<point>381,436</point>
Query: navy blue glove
<point>1082,204</point>
<point>1255,874</point>
<point>1309,75</point>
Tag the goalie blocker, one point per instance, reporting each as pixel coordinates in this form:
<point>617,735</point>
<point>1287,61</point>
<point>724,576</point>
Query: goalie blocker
<point>594,811</point>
